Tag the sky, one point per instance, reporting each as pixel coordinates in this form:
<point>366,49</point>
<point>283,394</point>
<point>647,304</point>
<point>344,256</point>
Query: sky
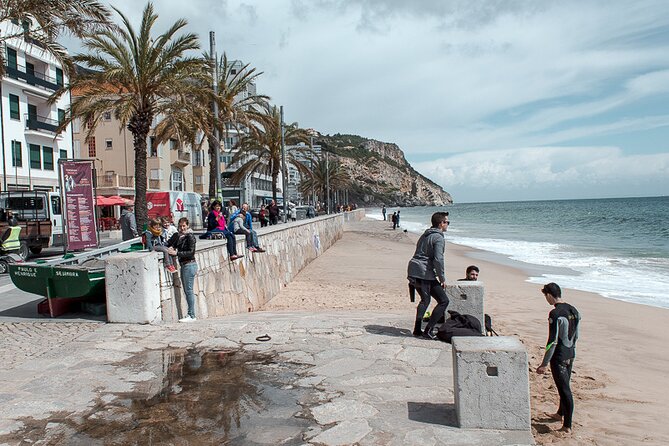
<point>494,100</point>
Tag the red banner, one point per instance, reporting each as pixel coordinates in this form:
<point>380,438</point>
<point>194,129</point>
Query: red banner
<point>79,201</point>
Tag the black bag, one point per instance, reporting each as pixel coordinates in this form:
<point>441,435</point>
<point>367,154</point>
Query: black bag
<point>459,325</point>
<point>489,331</point>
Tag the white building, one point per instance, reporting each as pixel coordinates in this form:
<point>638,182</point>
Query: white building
<point>31,147</point>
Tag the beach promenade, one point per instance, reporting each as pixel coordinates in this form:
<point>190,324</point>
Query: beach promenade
<point>339,367</point>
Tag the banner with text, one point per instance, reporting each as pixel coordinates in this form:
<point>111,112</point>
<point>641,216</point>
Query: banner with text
<point>79,199</point>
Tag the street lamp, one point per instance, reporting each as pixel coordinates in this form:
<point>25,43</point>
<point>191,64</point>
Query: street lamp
<point>283,167</point>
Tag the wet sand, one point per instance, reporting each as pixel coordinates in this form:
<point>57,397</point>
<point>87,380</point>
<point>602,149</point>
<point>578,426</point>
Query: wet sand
<point>619,381</point>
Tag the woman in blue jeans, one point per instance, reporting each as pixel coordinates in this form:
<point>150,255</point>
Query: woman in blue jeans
<point>182,244</point>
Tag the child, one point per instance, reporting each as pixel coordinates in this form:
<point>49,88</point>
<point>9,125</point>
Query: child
<point>169,228</point>
<point>156,241</point>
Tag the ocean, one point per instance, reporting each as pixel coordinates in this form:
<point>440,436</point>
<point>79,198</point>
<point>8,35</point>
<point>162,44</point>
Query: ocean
<point>617,247</point>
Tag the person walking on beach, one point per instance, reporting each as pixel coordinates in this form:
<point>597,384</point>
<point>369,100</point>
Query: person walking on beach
<point>182,245</point>
<point>563,322</point>
<point>393,218</point>
<point>383,211</point>
<point>426,273</point>
<point>397,218</point>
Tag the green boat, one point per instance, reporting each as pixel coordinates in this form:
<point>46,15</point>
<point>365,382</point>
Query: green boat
<point>61,281</point>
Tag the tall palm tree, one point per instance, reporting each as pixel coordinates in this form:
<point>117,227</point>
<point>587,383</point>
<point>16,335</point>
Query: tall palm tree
<point>138,77</point>
<point>193,121</point>
<point>46,20</point>
<point>324,170</point>
<point>260,150</point>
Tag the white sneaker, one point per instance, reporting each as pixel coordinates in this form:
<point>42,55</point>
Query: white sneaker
<point>187,319</point>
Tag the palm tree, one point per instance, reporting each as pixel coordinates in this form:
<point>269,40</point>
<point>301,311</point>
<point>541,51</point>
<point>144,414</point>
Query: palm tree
<point>260,150</point>
<point>138,77</point>
<point>238,106</point>
<point>322,171</point>
<point>43,21</point>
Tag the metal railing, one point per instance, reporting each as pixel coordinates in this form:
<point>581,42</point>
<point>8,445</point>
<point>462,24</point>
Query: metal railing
<point>154,184</point>
<point>34,78</point>
<point>34,122</point>
<point>115,180</point>
<point>183,156</point>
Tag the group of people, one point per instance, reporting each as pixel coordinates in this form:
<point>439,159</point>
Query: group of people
<point>394,219</point>
<point>426,275</point>
<point>238,221</point>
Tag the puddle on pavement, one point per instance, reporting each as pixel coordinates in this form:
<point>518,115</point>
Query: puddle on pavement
<point>205,397</point>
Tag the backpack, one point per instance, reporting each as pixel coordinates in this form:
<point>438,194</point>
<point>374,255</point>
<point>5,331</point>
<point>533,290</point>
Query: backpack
<point>459,325</point>
<point>489,331</point>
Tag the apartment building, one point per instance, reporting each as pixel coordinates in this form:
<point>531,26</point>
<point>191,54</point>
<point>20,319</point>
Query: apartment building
<point>170,166</point>
<point>31,147</point>
<point>294,177</point>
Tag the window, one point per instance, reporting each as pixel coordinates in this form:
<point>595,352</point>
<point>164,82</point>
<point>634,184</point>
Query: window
<point>61,116</point>
<point>106,116</point>
<point>76,124</point>
<point>76,149</point>
<point>198,158</point>
<point>47,155</point>
<point>17,155</point>
<point>173,144</point>
<point>63,154</point>
<point>55,205</point>
<point>59,77</point>
<point>177,179</point>
<point>89,124</point>
<point>12,60</point>
<point>14,111</point>
<point>153,148</point>
<point>108,144</point>
<point>35,156</point>
<point>156,174</point>
<point>199,179</point>
<point>91,146</point>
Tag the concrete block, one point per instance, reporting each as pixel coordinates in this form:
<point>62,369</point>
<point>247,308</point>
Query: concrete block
<point>466,297</point>
<point>491,383</point>
<point>132,282</point>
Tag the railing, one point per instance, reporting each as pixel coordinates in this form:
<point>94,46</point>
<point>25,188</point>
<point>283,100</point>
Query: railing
<point>115,180</point>
<point>154,184</point>
<point>34,122</point>
<point>36,78</point>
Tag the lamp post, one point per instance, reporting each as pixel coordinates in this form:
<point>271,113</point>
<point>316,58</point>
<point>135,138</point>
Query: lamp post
<point>283,167</point>
<point>217,163</point>
<point>327,178</point>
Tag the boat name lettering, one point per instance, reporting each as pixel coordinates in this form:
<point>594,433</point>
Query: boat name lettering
<point>25,273</point>
<point>67,273</point>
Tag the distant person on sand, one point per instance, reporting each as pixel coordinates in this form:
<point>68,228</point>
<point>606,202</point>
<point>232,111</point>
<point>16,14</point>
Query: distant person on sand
<point>563,324</point>
<point>472,273</point>
<point>398,218</point>
<point>393,218</point>
<point>383,211</point>
<point>427,274</point>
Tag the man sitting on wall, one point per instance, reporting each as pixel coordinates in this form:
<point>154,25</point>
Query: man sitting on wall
<point>242,223</point>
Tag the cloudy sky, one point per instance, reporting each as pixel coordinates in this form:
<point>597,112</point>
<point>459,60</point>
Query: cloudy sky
<point>494,100</point>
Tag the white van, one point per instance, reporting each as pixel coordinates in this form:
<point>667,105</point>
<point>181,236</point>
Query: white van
<point>37,206</point>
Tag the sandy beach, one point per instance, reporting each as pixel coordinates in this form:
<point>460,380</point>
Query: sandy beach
<point>618,382</point>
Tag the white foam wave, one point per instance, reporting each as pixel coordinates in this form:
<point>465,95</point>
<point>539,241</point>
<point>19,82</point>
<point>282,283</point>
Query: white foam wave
<point>637,280</point>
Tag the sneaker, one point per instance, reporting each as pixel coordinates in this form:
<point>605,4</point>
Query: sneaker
<point>188,319</point>
<point>172,269</point>
<point>260,250</point>
<point>428,334</point>
<point>236,256</point>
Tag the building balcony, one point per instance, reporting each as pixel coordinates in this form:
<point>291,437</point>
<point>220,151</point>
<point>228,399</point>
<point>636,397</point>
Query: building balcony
<point>183,158</point>
<point>116,181</point>
<point>41,123</point>
<point>154,184</point>
<point>34,78</point>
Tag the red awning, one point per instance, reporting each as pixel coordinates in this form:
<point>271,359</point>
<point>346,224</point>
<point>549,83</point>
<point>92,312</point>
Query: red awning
<point>114,200</point>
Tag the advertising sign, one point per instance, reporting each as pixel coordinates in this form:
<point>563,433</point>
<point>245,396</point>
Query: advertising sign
<point>176,205</point>
<point>79,200</point>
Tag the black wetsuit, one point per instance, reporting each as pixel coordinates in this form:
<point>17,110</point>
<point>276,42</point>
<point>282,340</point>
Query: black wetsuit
<point>563,322</point>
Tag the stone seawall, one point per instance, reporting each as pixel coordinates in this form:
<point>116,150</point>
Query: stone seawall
<point>223,287</point>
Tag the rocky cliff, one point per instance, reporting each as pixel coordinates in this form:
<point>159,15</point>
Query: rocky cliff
<point>380,174</point>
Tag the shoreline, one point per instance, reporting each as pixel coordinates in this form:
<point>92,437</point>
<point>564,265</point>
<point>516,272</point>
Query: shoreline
<point>618,380</point>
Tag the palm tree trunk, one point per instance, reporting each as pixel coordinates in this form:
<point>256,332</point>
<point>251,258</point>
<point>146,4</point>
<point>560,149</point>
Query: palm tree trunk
<point>275,176</point>
<point>213,143</point>
<point>140,125</point>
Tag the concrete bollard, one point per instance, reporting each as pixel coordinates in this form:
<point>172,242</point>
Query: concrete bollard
<point>466,297</point>
<point>491,383</point>
<point>132,283</point>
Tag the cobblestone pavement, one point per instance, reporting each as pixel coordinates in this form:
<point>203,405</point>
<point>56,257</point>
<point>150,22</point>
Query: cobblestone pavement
<point>21,341</point>
<point>370,383</point>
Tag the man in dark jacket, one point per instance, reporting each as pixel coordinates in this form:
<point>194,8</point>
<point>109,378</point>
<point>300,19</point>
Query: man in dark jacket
<point>128,223</point>
<point>427,274</point>
<point>273,209</point>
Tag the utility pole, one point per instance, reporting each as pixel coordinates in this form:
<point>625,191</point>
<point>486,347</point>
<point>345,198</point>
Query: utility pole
<point>327,178</point>
<point>283,168</point>
<point>217,164</point>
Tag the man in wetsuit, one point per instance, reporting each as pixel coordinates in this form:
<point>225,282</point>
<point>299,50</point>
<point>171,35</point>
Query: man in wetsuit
<point>427,276</point>
<point>563,322</point>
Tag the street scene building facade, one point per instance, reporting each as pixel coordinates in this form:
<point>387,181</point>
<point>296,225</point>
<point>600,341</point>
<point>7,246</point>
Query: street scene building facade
<point>31,146</point>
